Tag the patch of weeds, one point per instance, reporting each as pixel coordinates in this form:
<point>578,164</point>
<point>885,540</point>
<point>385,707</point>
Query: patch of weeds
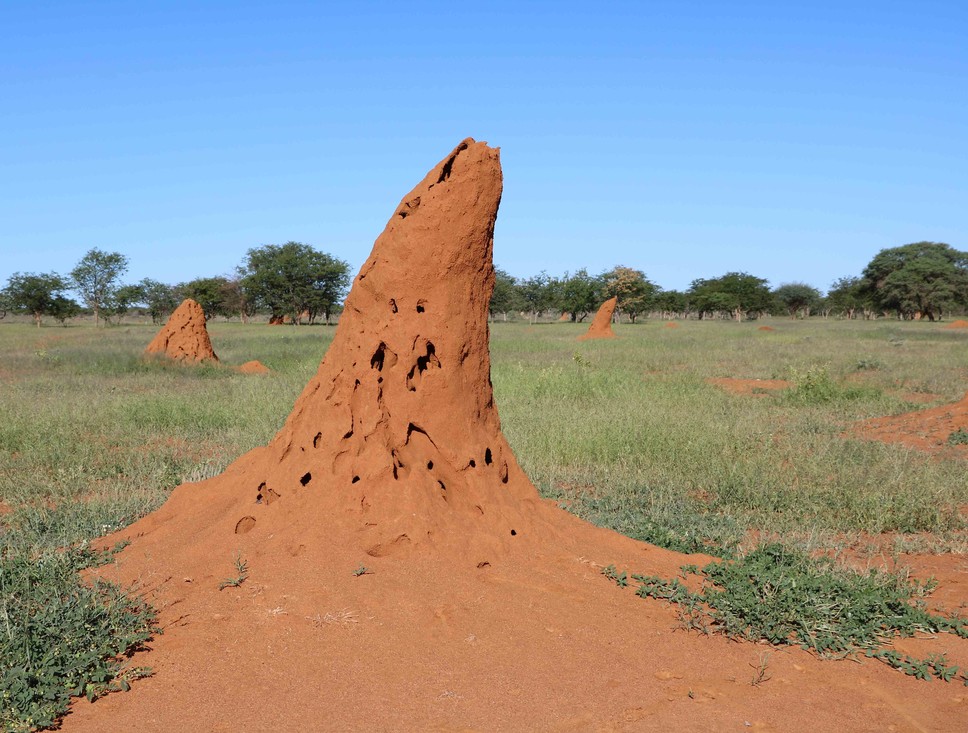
<point>682,524</point>
<point>868,364</point>
<point>786,597</point>
<point>61,637</point>
<point>815,386</point>
<point>958,437</point>
<point>361,570</point>
<point>241,574</point>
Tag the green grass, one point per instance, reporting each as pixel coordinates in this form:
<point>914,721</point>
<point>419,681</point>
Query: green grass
<point>626,433</point>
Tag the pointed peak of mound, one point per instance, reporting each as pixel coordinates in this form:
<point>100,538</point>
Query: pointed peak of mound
<point>184,337</point>
<point>601,327</point>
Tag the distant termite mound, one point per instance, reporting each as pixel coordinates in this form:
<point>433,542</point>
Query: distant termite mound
<point>957,324</point>
<point>766,328</point>
<point>565,317</point>
<point>184,337</point>
<point>254,367</point>
<point>601,327</point>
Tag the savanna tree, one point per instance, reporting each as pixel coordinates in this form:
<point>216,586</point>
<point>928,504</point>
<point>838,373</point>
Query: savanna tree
<point>798,298</point>
<point>917,280</point>
<point>37,294</point>
<point>95,278</point>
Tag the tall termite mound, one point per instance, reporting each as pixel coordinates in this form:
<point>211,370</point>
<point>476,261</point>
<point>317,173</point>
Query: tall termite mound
<point>396,437</point>
<point>601,327</point>
<point>184,337</point>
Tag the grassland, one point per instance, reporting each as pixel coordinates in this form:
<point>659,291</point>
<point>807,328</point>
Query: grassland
<point>626,433</point>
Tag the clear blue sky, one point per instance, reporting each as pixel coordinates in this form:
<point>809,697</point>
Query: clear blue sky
<point>789,140</point>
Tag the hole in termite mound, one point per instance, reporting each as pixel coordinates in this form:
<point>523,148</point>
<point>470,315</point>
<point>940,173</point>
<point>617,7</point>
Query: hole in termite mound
<point>393,305</point>
<point>487,457</point>
<point>430,465</point>
<point>244,525</point>
<point>305,478</point>
<point>421,306</point>
<point>355,480</point>
<point>319,437</point>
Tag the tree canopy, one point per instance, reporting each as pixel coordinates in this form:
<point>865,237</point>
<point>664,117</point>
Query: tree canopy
<point>919,279</point>
<point>578,294</point>
<point>288,279</point>
<point>798,298</point>
<point>736,293</point>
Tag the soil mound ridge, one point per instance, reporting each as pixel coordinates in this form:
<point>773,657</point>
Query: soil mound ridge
<point>924,429</point>
<point>601,327</point>
<point>957,324</point>
<point>394,569</point>
<point>184,337</point>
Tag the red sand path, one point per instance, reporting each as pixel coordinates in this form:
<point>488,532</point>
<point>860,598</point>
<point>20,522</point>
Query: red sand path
<point>404,574</point>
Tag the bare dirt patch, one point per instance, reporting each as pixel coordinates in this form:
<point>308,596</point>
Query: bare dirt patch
<point>956,324</point>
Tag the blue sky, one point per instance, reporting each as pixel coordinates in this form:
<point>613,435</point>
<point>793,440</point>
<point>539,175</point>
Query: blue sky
<point>789,140</point>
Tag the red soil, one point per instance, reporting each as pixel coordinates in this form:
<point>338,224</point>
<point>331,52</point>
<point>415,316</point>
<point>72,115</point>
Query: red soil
<point>750,387</point>
<point>565,317</point>
<point>254,367</point>
<point>766,328</point>
<point>601,327</point>
<point>184,337</point>
<point>957,324</point>
<point>925,429</point>
<point>672,324</point>
<point>403,573</point>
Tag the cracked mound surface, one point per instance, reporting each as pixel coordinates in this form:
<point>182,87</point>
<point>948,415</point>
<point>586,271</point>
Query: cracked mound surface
<point>601,327</point>
<point>184,337</point>
<point>403,574</point>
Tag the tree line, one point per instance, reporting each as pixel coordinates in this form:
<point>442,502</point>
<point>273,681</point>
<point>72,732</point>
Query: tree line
<point>292,280</point>
<point>913,281</point>
<point>286,281</point>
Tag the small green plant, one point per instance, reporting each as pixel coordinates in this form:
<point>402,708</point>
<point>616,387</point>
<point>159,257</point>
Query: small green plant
<point>958,437</point>
<point>620,579</point>
<point>361,570</point>
<point>241,573</point>
<point>760,673</point>
<point>814,386</point>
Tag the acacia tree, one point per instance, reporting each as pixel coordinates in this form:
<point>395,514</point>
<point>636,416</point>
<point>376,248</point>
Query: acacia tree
<point>578,294</point>
<point>38,295</point>
<point>918,280</point>
<point>848,295</point>
<point>95,277</point>
<point>736,293</point>
<point>632,288</point>
<point>798,298</point>
<point>538,293</point>
<point>505,296</point>
<point>159,298</point>
<point>208,292</point>
<point>290,278</point>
